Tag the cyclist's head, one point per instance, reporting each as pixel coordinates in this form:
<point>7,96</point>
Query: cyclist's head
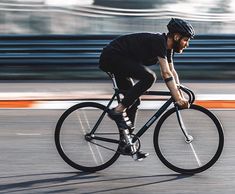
<point>180,26</point>
<point>181,31</point>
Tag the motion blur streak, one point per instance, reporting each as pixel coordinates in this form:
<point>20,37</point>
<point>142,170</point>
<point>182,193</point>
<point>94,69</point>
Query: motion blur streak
<point>99,11</point>
<point>87,17</point>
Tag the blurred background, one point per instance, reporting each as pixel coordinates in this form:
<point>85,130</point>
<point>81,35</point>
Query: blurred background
<point>31,48</point>
<point>113,16</point>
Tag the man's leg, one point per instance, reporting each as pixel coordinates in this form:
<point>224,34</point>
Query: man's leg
<point>125,83</point>
<point>124,68</point>
<point>123,72</point>
<point>146,78</point>
<point>133,110</point>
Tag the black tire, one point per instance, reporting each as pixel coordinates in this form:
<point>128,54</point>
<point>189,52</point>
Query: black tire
<point>71,143</point>
<point>176,153</point>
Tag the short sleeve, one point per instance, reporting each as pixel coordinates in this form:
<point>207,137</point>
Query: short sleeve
<point>159,46</point>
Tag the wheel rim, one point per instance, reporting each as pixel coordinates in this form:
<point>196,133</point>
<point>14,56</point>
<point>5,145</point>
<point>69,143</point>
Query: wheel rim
<point>72,144</point>
<point>177,157</point>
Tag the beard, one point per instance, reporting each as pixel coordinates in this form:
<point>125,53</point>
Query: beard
<point>176,46</point>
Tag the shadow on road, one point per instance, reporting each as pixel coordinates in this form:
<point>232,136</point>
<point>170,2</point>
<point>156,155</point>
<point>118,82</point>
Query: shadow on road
<point>67,181</point>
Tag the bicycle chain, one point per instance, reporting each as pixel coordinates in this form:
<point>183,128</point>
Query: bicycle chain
<point>119,152</point>
<point>104,147</point>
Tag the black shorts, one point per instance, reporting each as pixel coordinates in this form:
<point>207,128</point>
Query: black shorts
<point>124,68</point>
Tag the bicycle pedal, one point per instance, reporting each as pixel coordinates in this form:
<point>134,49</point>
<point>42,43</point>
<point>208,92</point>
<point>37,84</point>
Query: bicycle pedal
<point>139,156</point>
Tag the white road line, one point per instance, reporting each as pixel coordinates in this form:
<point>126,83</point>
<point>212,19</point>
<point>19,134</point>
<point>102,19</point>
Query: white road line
<point>67,104</point>
<point>49,103</point>
<point>28,134</point>
<point>215,96</point>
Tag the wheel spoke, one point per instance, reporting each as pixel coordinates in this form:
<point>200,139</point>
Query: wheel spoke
<point>84,133</point>
<point>89,127</point>
<point>195,155</point>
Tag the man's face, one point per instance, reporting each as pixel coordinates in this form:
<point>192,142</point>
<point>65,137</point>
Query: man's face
<point>182,44</point>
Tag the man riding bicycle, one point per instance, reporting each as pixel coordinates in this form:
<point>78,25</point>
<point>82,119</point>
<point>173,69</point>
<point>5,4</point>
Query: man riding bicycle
<point>128,56</point>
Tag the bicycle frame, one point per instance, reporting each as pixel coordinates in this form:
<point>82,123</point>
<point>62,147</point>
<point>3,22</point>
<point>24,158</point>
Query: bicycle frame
<point>113,142</point>
<point>146,126</point>
<point>157,114</point>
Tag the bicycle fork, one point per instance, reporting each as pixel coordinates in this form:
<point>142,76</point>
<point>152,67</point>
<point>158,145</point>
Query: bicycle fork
<point>188,138</point>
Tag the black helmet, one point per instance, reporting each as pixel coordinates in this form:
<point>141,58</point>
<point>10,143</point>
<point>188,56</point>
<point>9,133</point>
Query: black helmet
<point>182,27</point>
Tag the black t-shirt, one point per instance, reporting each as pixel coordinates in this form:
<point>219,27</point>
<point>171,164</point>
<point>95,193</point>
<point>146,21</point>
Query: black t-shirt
<point>143,47</point>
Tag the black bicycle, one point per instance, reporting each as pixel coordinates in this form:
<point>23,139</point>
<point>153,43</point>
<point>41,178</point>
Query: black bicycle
<point>187,141</point>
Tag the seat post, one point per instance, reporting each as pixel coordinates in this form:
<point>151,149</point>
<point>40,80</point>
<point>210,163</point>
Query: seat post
<point>115,87</point>
<point>111,75</point>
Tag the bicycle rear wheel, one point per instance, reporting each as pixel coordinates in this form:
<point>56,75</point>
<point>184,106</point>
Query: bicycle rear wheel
<point>75,143</point>
<point>189,157</point>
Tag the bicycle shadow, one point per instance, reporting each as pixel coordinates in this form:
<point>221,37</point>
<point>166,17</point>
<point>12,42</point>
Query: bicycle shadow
<point>49,182</point>
<point>168,178</point>
<point>71,179</point>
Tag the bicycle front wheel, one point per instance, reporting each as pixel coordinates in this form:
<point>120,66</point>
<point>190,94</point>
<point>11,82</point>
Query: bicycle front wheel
<point>74,137</point>
<point>198,154</point>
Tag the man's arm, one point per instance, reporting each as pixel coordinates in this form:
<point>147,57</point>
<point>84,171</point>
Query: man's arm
<point>170,81</point>
<point>175,74</point>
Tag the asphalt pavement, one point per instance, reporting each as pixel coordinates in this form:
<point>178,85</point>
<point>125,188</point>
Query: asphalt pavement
<point>29,161</point>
